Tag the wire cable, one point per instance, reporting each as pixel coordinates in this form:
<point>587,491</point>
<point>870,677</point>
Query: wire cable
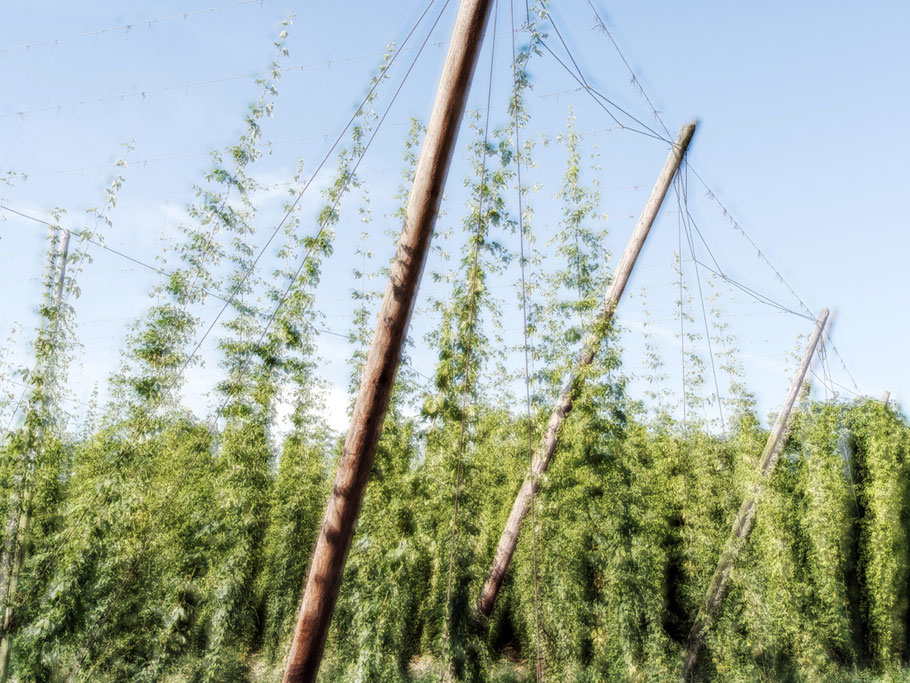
<point>196,84</point>
<point>738,226</point>
<point>842,362</point>
<point>82,235</point>
<point>598,96</point>
<point>15,141</point>
<point>682,330</point>
<point>516,101</point>
<point>601,25</point>
<point>125,27</point>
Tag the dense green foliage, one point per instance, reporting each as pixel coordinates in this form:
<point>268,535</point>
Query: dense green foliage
<point>165,545</point>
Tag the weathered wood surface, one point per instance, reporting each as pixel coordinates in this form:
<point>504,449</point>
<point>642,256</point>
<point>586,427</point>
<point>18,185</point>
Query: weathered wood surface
<point>330,555</point>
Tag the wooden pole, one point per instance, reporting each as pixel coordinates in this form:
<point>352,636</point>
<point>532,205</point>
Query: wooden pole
<point>743,525</point>
<point>20,513</point>
<point>886,397</point>
<point>509,539</point>
<point>330,555</point>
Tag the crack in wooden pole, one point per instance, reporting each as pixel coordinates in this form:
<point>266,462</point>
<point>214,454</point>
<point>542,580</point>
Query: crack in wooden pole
<point>544,453</point>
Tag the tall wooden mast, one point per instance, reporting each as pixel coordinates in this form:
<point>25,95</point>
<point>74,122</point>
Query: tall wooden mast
<point>341,514</point>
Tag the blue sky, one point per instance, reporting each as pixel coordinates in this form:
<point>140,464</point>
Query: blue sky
<point>800,109</point>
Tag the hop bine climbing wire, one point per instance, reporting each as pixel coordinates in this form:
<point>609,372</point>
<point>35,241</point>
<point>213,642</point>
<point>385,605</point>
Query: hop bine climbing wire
<point>478,238</point>
<point>526,345</point>
<point>281,300</point>
<point>95,630</point>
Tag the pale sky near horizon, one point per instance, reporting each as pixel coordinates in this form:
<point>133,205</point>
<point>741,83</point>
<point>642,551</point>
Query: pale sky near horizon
<point>800,109</point>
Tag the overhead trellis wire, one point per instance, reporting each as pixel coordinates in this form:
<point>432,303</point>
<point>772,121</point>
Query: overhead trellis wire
<point>25,175</point>
<point>101,245</point>
<point>129,148</point>
<point>187,86</point>
<point>602,27</point>
<point>127,27</point>
<point>15,141</point>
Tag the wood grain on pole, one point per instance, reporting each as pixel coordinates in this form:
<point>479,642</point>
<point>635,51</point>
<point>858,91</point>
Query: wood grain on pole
<point>330,554</point>
<point>745,518</point>
<point>544,453</point>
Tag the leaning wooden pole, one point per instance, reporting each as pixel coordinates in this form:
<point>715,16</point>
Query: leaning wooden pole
<point>509,539</point>
<point>330,555</point>
<point>743,525</point>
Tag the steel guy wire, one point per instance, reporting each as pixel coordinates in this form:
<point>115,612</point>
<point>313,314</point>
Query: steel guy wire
<point>589,90</point>
<point>842,361</point>
<point>682,331</point>
<point>738,226</point>
<point>594,92</point>
<point>761,298</point>
<point>601,25</point>
<point>698,231</point>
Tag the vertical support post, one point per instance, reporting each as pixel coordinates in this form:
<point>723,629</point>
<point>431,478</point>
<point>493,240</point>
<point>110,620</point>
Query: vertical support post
<point>20,513</point>
<point>886,397</point>
<point>743,525</point>
<point>544,453</point>
<point>330,554</point>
